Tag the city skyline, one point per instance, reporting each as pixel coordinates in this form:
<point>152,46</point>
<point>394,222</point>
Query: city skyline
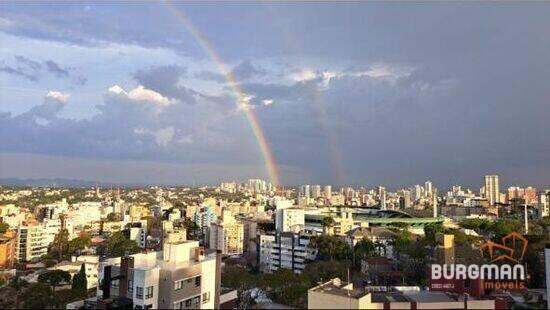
<point>341,94</point>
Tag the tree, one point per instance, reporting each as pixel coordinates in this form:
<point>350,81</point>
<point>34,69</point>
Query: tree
<point>118,245</point>
<point>78,244</point>
<point>37,296</point>
<point>54,278</point>
<point>60,244</point>
<point>327,222</point>
<point>80,283</point>
<point>476,224</point>
<point>114,217</point>
<point>330,247</point>
<point>431,230</point>
<point>363,248</point>
<point>4,227</point>
<point>505,226</point>
<point>193,230</point>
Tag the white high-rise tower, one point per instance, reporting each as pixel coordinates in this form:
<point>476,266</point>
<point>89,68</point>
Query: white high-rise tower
<point>492,190</point>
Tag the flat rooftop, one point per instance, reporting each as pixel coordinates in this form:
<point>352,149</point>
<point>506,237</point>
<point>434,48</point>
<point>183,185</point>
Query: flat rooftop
<point>334,288</point>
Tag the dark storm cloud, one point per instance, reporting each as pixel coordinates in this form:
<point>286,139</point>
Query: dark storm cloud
<point>34,65</point>
<point>166,80</point>
<point>56,69</point>
<point>32,69</point>
<point>18,72</point>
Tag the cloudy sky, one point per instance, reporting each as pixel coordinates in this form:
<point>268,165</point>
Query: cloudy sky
<point>355,93</point>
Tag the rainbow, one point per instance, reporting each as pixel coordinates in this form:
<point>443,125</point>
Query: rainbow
<point>242,98</point>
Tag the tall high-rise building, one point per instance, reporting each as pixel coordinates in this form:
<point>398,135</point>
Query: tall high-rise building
<point>328,191</point>
<point>405,200</point>
<point>492,189</point>
<point>428,188</point>
<point>304,191</point>
<point>315,191</point>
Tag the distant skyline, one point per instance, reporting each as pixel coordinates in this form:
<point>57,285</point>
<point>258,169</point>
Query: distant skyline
<point>342,93</point>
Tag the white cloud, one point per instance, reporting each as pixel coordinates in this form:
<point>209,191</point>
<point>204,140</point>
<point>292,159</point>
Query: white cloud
<point>58,96</point>
<point>162,137</point>
<point>303,75</point>
<point>267,101</point>
<point>188,139</point>
<point>142,94</point>
<point>384,71</point>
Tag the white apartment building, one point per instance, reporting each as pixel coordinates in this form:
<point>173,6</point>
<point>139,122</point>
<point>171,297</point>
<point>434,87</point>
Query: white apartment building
<point>31,244</point>
<point>182,276</point>
<point>289,219</point>
<point>138,233</point>
<point>492,189</point>
<point>285,250</point>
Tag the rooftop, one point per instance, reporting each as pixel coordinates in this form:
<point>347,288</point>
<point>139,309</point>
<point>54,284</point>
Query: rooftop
<point>339,288</point>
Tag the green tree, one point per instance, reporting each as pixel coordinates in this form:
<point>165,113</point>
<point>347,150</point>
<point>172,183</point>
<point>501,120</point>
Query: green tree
<point>431,230</point>
<point>364,248</point>
<point>54,278</point>
<point>37,296</point>
<point>505,226</point>
<point>327,222</point>
<point>118,245</point>
<point>60,244</point>
<point>331,247</point>
<point>78,244</point>
<point>80,283</point>
<point>193,230</point>
<point>114,217</point>
<point>476,224</point>
<point>4,227</point>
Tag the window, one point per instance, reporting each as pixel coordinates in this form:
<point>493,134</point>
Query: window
<point>198,281</point>
<point>149,292</point>
<point>178,285</point>
<point>205,297</point>
<point>139,292</point>
<point>197,300</point>
<point>130,287</point>
<point>188,303</point>
<point>114,283</point>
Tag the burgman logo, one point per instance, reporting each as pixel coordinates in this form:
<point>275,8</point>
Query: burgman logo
<point>512,248</point>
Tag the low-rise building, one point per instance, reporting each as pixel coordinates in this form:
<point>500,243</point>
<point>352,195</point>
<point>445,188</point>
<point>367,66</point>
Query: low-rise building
<point>336,294</point>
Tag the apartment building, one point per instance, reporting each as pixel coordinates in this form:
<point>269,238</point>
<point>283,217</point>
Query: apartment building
<point>289,219</point>
<point>284,250</point>
<point>31,243</point>
<point>182,276</point>
<point>8,243</point>
<point>227,235</point>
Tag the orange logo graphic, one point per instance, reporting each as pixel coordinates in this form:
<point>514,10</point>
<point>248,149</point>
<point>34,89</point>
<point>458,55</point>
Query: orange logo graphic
<point>513,248</point>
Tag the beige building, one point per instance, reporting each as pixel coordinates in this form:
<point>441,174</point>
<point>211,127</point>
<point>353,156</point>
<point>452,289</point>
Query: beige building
<point>227,235</point>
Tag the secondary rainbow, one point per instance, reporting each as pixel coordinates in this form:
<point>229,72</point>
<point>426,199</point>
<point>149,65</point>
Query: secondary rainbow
<point>242,98</point>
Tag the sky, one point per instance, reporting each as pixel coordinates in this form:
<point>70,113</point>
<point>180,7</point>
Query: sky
<point>358,93</point>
